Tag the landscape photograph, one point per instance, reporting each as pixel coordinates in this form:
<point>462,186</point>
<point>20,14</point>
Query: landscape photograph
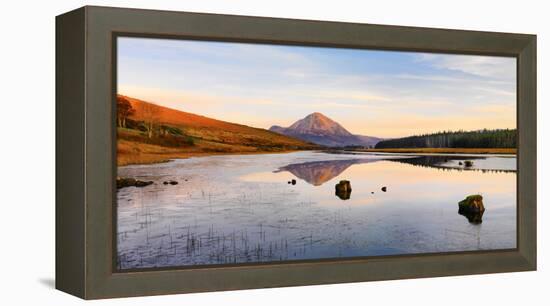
<point>238,153</point>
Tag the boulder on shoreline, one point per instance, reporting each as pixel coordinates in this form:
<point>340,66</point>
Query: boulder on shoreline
<point>343,190</point>
<point>472,208</point>
<point>122,182</point>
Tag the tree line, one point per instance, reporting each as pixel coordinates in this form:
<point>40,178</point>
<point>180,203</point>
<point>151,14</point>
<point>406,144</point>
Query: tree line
<point>498,138</point>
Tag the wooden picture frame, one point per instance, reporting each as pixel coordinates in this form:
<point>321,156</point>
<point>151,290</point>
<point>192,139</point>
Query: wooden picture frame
<point>85,151</point>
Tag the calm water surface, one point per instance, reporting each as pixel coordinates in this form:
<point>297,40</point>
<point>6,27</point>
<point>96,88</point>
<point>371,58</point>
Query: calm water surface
<point>240,208</point>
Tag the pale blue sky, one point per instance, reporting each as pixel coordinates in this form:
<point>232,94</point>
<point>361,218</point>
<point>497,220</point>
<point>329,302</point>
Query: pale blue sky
<point>378,93</point>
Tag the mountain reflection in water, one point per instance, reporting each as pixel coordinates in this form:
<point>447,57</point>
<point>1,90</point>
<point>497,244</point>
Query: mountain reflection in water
<point>318,172</point>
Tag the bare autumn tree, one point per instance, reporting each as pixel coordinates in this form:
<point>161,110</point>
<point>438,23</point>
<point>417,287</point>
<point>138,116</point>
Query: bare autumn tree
<point>124,110</point>
<point>150,117</point>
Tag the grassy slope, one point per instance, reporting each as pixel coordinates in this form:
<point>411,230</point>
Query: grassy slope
<point>210,136</point>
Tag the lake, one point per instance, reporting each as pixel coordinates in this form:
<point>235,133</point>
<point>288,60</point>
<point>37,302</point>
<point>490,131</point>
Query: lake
<point>229,209</point>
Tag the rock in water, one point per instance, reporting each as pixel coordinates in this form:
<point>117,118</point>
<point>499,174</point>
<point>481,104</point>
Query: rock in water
<point>468,163</point>
<point>343,190</point>
<point>472,208</point>
<point>173,182</point>
<point>384,188</point>
<point>122,182</point>
<point>473,203</point>
<point>143,183</point>
<point>293,182</point>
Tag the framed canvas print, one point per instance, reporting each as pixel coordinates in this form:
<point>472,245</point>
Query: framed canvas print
<point>200,152</point>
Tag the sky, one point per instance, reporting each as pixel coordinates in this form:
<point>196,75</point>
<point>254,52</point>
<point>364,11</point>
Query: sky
<point>369,92</point>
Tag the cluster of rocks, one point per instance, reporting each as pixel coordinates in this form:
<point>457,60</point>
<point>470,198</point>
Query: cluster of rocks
<point>122,182</point>
<point>343,190</point>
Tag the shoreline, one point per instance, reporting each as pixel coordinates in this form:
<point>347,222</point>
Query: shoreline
<point>148,159</point>
<point>156,158</point>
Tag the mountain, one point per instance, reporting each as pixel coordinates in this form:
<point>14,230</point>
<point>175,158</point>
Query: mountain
<point>319,129</point>
<point>319,124</point>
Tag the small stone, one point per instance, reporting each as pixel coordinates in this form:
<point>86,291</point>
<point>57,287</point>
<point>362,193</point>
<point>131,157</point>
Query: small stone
<point>384,188</point>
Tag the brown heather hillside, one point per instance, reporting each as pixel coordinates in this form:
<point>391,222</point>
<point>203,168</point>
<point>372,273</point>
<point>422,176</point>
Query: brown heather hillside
<point>199,136</point>
<point>180,118</point>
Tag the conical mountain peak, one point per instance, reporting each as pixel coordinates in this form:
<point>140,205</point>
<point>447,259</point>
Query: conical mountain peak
<point>319,124</point>
<point>319,129</point>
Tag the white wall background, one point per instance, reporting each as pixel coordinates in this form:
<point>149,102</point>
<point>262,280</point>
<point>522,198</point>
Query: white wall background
<point>27,152</point>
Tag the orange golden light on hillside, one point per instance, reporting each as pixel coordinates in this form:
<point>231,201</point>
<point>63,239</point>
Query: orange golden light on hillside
<point>202,135</point>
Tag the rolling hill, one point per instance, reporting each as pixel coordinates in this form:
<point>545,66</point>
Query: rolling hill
<point>179,134</point>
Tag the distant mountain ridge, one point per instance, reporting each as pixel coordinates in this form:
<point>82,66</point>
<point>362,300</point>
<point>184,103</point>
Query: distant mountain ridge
<point>319,129</point>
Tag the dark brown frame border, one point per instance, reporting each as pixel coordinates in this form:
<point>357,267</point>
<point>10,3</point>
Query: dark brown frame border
<point>85,145</point>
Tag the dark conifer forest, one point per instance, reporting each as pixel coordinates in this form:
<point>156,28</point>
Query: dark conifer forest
<point>501,138</point>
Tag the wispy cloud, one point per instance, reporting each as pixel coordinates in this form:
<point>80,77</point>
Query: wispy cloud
<point>484,66</point>
<point>378,93</point>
